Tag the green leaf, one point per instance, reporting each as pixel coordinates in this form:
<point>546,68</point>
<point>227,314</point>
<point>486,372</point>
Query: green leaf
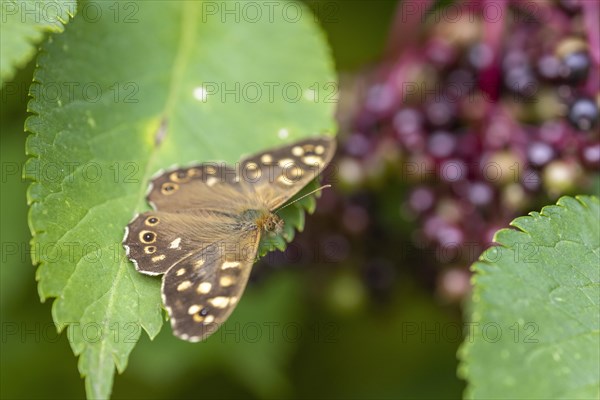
<point>23,26</point>
<point>535,322</point>
<point>117,99</point>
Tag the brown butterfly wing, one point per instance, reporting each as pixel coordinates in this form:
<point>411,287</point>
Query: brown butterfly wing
<point>156,240</point>
<point>201,187</point>
<point>277,175</point>
<point>201,291</point>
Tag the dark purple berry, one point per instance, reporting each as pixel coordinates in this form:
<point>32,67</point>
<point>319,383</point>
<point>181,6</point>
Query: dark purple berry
<point>590,155</point>
<point>540,153</point>
<point>549,67</point>
<point>441,144</point>
<point>454,170</point>
<point>380,98</point>
<point>480,56</point>
<point>521,80</point>
<point>480,193</point>
<point>440,52</point>
<point>531,180</point>
<point>555,133</point>
<point>450,235</point>
<point>421,199</point>
<point>357,145</point>
<point>408,120</point>
<point>515,59</point>
<point>408,124</point>
<point>459,83</point>
<point>440,113</point>
<point>583,114</point>
<point>575,67</point>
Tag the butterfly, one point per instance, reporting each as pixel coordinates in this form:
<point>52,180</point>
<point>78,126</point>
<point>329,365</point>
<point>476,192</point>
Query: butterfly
<point>206,224</point>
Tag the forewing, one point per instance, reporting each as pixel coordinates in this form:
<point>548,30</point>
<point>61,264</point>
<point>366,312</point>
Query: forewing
<point>204,186</point>
<point>277,175</point>
<point>156,240</point>
<point>201,291</point>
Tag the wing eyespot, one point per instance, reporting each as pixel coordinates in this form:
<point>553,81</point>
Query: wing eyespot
<point>180,177</point>
<point>152,221</point>
<point>169,188</point>
<point>193,172</point>
<point>147,237</point>
<point>150,249</point>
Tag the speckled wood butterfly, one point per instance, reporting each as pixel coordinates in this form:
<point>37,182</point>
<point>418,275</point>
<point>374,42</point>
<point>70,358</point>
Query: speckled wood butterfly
<point>204,232</point>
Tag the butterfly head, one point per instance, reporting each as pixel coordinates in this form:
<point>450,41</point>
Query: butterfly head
<point>270,222</point>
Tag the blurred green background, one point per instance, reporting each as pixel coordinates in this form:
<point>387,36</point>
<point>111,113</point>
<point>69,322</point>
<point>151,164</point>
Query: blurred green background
<point>299,333</point>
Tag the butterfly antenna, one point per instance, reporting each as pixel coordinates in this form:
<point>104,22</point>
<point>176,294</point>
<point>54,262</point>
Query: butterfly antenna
<point>307,194</point>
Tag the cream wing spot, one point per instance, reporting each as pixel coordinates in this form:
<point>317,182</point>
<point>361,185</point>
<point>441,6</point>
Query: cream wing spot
<point>158,258</point>
<point>208,319</point>
<point>294,173</point>
<point>251,171</point>
<point>194,309</point>
<point>230,264</point>
<point>204,288</point>
<point>219,301</point>
<point>199,263</point>
<point>184,286</point>
<point>298,151</point>
<point>180,271</point>
<point>226,281</point>
<point>286,163</point>
<point>320,149</point>
<point>211,181</point>
<point>175,243</point>
<point>266,158</point>
<point>312,160</point>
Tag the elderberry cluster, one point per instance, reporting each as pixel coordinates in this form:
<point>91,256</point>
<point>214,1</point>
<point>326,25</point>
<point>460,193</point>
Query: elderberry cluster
<point>480,119</point>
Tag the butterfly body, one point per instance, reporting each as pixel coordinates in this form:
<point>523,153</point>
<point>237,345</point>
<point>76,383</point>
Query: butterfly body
<point>204,231</point>
<point>269,222</point>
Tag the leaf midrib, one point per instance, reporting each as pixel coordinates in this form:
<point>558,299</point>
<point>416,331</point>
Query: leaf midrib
<point>188,24</point>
